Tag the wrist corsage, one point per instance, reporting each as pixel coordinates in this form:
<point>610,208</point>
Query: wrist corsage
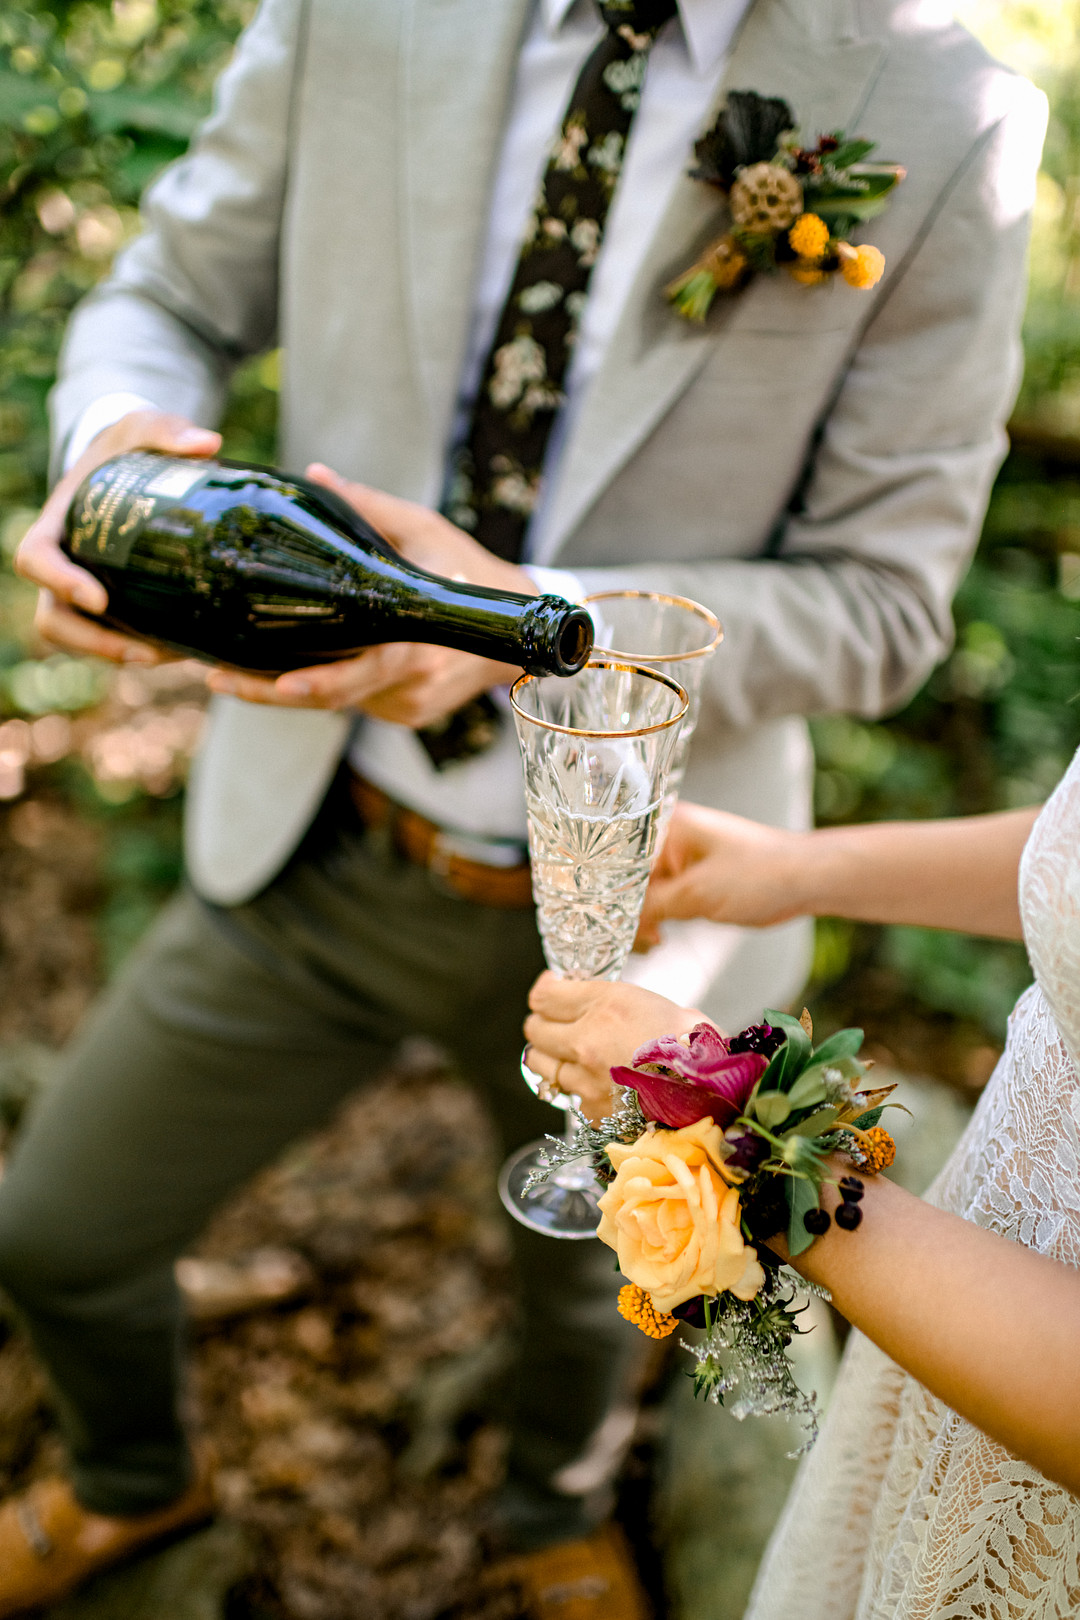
<point>717,1145</point>
<point>792,207</point>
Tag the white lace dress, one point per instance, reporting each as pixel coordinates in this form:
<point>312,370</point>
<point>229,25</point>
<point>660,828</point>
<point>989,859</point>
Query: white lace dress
<point>903,1511</point>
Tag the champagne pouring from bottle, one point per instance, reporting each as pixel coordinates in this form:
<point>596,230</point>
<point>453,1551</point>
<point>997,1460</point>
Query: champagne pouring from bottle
<point>264,572</point>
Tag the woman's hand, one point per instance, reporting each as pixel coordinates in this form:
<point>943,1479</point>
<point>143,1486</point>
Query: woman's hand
<point>579,1029</point>
<point>725,868</point>
<point>958,874</point>
<point>407,682</point>
<point>64,586</point>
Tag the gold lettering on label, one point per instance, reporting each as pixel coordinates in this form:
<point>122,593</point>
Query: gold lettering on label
<point>103,502</point>
<point>108,512</point>
<point>83,531</point>
<point>125,483</point>
<point>139,509</point>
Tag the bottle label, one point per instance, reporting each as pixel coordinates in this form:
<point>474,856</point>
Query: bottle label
<point>117,502</point>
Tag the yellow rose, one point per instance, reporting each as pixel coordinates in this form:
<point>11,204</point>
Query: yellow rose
<point>672,1219</point>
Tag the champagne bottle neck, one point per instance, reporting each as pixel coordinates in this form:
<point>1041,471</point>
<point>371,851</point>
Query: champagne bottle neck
<point>263,571</point>
<point>544,635</point>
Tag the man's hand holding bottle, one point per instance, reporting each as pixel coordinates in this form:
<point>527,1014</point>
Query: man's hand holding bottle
<point>412,684</point>
<point>67,588</point>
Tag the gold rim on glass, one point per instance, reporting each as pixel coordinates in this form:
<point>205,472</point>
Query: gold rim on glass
<point>604,663</point>
<point>712,622</point>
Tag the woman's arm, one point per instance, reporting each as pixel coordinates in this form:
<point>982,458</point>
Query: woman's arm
<point>988,1326</point>
<point>959,874</point>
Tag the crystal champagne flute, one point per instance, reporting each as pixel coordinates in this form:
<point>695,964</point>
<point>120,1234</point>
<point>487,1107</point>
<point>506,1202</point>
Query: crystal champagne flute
<point>678,637</point>
<point>671,634</point>
<point>597,748</point>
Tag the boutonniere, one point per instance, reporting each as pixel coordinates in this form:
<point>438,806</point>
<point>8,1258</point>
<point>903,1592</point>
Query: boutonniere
<point>793,207</point>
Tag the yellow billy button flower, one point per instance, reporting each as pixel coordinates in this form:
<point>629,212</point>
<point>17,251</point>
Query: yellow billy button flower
<point>637,1307</point>
<point>809,237</point>
<point>872,1150</point>
<point>673,1220</point>
<point>861,267</point>
<point>807,275</point>
<point>880,1149</point>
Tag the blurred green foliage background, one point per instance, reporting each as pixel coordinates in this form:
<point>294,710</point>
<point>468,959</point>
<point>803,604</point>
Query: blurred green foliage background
<point>95,97</point>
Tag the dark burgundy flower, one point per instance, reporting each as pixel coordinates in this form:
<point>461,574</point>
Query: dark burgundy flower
<point>691,1311</point>
<point>678,1084</point>
<point>757,1038</point>
<point>749,1150</point>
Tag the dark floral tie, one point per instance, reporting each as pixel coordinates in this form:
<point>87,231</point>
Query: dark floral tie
<point>496,472</point>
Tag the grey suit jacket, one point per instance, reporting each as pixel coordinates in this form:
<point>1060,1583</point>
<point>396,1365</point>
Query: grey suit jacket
<point>813,463</point>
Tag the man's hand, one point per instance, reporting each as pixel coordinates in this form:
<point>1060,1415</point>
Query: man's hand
<point>725,868</point>
<point>66,587</point>
<point>579,1029</point>
<point>407,682</point>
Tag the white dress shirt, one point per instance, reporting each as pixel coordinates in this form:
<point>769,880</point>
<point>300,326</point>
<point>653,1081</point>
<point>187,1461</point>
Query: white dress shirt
<point>482,797</point>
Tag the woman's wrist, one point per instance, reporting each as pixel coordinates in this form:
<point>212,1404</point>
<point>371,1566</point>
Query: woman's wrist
<point>810,859</point>
<point>825,872</point>
<point>829,1258</point>
<point>841,1175</point>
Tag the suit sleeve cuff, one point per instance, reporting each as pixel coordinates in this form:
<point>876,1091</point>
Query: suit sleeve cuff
<point>98,416</point>
<point>555,582</point>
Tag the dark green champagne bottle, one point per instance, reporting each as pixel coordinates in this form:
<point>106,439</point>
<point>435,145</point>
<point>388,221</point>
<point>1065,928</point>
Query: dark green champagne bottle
<point>265,572</point>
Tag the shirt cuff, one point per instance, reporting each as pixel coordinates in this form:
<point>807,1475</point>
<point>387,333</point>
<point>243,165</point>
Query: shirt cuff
<point>555,582</point>
<point>98,416</point>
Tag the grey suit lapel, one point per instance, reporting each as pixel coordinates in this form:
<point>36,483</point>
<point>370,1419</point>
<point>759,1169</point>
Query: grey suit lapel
<point>459,61</point>
<point>804,50</point>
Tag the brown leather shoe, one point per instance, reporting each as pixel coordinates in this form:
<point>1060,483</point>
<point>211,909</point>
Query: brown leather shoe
<point>591,1579</point>
<point>50,1544</point>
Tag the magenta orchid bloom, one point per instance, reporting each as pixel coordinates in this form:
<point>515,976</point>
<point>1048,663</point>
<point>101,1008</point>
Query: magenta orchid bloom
<point>678,1084</point>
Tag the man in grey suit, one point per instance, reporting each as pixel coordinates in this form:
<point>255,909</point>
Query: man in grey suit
<point>811,463</point>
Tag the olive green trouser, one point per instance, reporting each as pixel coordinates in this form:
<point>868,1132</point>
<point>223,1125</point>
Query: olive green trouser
<point>230,1033</point>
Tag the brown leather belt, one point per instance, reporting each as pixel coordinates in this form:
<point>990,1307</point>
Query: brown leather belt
<point>426,844</point>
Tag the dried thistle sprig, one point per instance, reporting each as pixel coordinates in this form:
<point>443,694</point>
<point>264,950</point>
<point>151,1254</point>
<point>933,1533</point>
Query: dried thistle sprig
<point>625,1123</point>
<point>744,1353</point>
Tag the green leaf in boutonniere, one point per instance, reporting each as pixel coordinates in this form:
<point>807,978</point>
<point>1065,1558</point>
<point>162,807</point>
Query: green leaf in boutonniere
<point>792,207</point>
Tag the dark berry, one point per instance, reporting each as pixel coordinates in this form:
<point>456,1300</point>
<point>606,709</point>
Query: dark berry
<point>851,1188</point>
<point>816,1221</point>
<point>848,1217</point>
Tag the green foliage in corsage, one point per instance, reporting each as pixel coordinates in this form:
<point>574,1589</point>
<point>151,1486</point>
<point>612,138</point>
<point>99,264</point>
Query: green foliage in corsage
<point>809,1104</point>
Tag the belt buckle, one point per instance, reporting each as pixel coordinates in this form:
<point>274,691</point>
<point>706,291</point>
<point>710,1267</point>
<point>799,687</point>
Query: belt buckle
<point>470,881</point>
<point>438,861</point>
